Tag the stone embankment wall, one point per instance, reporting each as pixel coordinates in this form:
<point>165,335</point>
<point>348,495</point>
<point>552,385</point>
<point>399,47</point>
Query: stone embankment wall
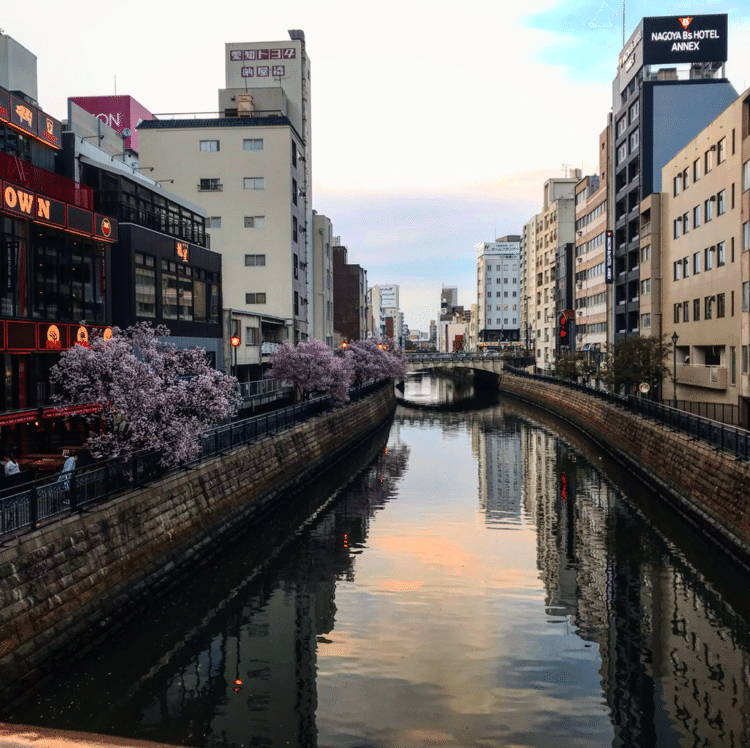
<point>708,487</point>
<point>67,583</point>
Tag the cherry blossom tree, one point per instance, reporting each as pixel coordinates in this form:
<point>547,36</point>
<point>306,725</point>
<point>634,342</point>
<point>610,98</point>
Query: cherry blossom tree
<point>312,370</point>
<point>373,360</point>
<point>151,395</point>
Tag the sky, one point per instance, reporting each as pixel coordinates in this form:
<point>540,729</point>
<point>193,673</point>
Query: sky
<point>434,124</point>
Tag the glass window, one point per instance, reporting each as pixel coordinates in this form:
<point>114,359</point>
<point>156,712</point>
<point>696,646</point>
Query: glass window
<point>209,146</point>
<point>211,184</point>
<point>253,183</point>
<point>199,301</point>
<point>646,253</point>
<point>677,185</point>
<point>696,216</point>
<point>685,223</point>
<point>708,161</point>
<point>720,254</point>
<point>255,260</point>
<point>696,310</point>
<point>185,287</point>
<point>720,305</point>
<point>709,258</point>
<point>255,298</point>
<point>252,144</point>
<point>708,306</point>
<point>746,175</point>
<point>214,222</point>
<point>255,222</point>
<point>676,270</point>
<point>746,296</point>
<point>168,296</point>
<point>677,308</point>
<point>214,308</point>
<point>721,151</point>
<point>721,200</point>
<point>646,321</point>
<point>696,169</point>
<point>676,228</point>
<point>145,292</point>
<point>686,311</point>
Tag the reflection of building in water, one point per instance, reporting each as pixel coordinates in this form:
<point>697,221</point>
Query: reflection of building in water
<point>496,442</point>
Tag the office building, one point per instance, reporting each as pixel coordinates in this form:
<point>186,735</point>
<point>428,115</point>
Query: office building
<point>669,86</point>
<point>349,297</point>
<point>322,277</point>
<point>499,290</point>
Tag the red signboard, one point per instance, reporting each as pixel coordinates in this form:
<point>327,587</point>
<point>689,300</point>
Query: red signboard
<point>71,410</point>
<point>52,337</point>
<point>14,418</point>
<point>26,118</point>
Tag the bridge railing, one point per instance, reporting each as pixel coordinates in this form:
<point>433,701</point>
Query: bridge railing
<point>24,506</point>
<point>730,439</point>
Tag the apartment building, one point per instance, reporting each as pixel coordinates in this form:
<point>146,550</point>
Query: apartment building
<point>499,290</point>
<point>528,283</point>
<point>322,308</point>
<point>705,238</point>
<point>350,297</point>
<point>663,95</point>
<point>250,169</point>
<point>554,236</point>
<point>591,288</point>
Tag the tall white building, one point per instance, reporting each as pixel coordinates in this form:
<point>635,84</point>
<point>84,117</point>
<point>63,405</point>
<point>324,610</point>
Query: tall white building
<point>384,304</point>
<point>499,290</point>
<point>250,168</point>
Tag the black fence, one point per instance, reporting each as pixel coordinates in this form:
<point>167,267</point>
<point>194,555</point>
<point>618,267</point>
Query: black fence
<point>25,506</point>
<point>723,412</point>
<point>734,440</point>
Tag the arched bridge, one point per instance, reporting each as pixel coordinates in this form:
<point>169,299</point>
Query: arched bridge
<point>476,361</point>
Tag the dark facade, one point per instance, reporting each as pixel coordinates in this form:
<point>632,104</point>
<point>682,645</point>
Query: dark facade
<point>55,263</point>
<point>349,289</point>
<point>656,113</point>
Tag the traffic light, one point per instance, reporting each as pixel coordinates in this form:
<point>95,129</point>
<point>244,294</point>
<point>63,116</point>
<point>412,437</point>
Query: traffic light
<point>563,331</point>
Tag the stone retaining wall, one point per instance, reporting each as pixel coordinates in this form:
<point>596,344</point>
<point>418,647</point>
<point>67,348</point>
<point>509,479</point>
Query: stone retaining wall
<point>67,583</point>
<point>709,488</point>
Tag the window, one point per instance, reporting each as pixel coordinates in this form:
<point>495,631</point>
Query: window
<point>677,267</point>
<point>721,203</point>
<point>709,258</point>
<point>294,191</point>
<point>721,151</point>
<point>295,264</point>
<point>685,179</point>
<point>253,183</point>
<point>708,161</point>
<point>185,293</point>
<point>255,298</point>
<point>745,358</point>
<point>677,185</point>
<point>686,311</point>
<point>746,296</point>
<point>696,169</point>
<point>634,110</point>
<point>255,260</point>
<point>685,223</point>
<point>696,263</point>
<point>210,185</point>
<point>677,308</point>
<point>746,175</point>
<point>294,229</point>
<point>296,304</point>
<point>708,209</point>
<point>645,321</point>
<point>646,286</point>
<point>720,305</point>
<point>622,152</point>
<point>696,216</point>
<point>252,144</point>
<point>685,267</point>
<point>214,222</point>
<point>209,146</point>
<point>252,336</point>
<point>622,125</point>
<point>720,254</point>
<point>696,310</point>
<point>294,153</point>
<point>676,227</point>
<point>145,289</point>
<point>708,306</point>
<point>634,140</point>
<point>168,293</point>
<point>732,365</point>
<point>255,222</point>
<point>646,253</point>
<point>746,236</point>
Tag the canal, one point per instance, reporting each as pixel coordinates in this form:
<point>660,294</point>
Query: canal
<point>478,574</point>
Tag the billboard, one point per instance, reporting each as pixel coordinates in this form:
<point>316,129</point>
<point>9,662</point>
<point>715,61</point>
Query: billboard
<point>117,112</point>
<point>678,39</point>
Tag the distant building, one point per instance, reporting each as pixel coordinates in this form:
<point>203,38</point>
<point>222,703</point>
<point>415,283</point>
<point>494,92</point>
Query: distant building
<point>322,311</point>
<point>499,290</point>
<point>349,297</point>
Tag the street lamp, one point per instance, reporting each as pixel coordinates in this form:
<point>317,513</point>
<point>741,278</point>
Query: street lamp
<point>235,341</point>
<point>675,338</point>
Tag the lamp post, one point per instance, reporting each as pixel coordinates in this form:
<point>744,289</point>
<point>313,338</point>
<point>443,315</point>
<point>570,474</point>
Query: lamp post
<point>235,341</point>
<point>675,338</point>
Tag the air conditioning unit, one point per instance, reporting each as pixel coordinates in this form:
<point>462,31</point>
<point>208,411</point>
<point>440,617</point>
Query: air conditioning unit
<point>245,107</point>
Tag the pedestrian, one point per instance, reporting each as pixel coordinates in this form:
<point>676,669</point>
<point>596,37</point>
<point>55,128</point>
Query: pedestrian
<point>64,478</point>
<point>12,471</point>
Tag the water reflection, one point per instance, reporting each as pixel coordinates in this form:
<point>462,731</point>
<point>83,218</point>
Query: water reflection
<point>489,579</point>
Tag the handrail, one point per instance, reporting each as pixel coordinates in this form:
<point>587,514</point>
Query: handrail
<point>73,491</point>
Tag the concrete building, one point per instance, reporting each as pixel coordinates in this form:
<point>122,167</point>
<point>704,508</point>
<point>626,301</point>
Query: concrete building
<point>450,314</point>
<point>384,304</point>
<point>705,238</point>
<point>499,290</point>
<point>665,93</point>
<point>322,277</point>
<point>554,234</point>
<point>250,169</point>
<point>528,283</point>
<point>591,288</point>
<point>349,298</point>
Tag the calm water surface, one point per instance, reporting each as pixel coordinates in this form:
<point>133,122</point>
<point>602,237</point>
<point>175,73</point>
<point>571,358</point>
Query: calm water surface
<point>476,576</point>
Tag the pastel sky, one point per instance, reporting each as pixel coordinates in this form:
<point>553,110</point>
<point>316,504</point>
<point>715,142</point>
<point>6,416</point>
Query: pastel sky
<point>435,124</point>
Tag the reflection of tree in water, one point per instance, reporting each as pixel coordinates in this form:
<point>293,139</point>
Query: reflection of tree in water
<point>229,659</point>
<point>674,641</point>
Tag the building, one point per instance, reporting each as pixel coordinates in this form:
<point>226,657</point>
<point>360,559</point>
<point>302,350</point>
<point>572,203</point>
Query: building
<point>705,238</point>
<point>349,298</point>
<point>163,271</point>
<point>499,290</point>
<point>450,320</point>
<point>669,86</point>
<point>56,255</point>
<point>375,313</point>
<point>387,297</point>
<point>591,225</point>
<point>322,308</point>
<point>554,233</point>
<point>250,169</point>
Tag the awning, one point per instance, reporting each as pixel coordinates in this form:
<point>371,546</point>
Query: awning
<point>12,418</point>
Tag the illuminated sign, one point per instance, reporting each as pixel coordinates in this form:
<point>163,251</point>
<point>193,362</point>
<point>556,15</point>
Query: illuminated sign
<point>15,418</point>
<point>82,337</point>
<point>182,251</point>
<point>677,39</point>
<point>105,228</point>
<point>25,117</point>
<point>285,53</point>
<point>53,338</point>
<point>72,410</point>
<point>107,334</point>
<point>609,259</point>
<point>17,200</point>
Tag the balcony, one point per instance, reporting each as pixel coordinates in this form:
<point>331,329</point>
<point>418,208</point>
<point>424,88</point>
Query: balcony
<point>45,182</point>
<point>645,230</point>
<point>266,349</point>
<point>698,375</point>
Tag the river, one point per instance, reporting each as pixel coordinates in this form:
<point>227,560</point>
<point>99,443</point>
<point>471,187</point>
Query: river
<point>478,574</point>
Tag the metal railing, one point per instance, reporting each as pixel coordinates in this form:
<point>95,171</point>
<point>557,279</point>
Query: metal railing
<point>25,506</point>
<point>261,387</point>
<point>731,439</point>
